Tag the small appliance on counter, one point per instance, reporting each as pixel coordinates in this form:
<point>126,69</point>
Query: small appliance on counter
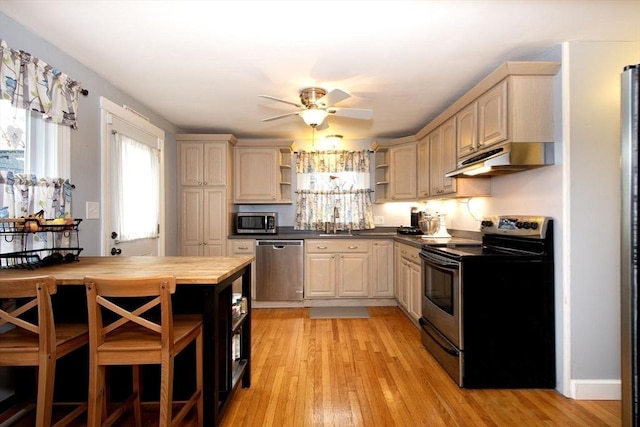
<point>434,226</point>
<point>410,231</point>
<point>256,223</point>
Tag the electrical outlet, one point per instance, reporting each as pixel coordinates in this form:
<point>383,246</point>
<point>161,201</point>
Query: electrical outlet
<point>378,220</point>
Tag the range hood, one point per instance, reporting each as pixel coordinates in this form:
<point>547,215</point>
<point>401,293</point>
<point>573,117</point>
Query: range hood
<point>504,159</point>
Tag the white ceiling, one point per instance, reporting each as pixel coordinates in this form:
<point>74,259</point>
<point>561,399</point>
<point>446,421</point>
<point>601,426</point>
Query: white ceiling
<point>202,64</point>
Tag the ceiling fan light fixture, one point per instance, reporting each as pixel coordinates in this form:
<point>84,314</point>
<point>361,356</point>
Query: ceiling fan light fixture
<point>313,116</point>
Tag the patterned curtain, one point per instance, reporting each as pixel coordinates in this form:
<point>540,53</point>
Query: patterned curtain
<point>333,182</point>
<point>32,84</point>
<point>22,194</point>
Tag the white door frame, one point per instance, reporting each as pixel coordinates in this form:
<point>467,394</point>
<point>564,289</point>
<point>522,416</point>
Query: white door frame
<point>108,109</point>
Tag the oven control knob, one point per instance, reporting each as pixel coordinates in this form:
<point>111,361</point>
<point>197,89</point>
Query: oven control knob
<point>487,223</point>
<point>526,225</point>
<point>534,225</point>
<point>520,224</point>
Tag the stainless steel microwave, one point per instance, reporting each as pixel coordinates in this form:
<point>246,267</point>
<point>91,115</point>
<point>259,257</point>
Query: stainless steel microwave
<point>256,223</point>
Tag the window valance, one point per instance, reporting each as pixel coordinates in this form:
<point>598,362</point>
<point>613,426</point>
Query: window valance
<point>32,84</point>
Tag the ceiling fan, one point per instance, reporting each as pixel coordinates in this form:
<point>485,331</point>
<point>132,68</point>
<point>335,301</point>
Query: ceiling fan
<point>316,104</point>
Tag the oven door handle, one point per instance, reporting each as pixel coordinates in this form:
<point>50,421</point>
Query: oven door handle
<point>438,261</point>
<point>439,339</point>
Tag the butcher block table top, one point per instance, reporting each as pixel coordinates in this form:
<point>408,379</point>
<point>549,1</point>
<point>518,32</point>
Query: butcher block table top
<point>188,270</point>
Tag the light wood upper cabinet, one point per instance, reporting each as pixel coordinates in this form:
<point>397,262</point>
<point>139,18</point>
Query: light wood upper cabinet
<point>203,163</point>
<point>262,175</point>
<point>492,116</point>
<point>449,154</point>
<point>403,171</point>
<point>256,175</point>
<point>517,109</point>
<point>442,144</point>
<point>424,167</point>
<point>467,134</point>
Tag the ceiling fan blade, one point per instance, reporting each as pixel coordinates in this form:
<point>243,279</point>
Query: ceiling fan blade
<point>268,119</point>
<point>333,97</point>
<point>354,113</point>
<point>273,98</point>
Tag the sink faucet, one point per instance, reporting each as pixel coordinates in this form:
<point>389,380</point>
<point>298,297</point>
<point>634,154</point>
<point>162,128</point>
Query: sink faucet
<point>336,215</point>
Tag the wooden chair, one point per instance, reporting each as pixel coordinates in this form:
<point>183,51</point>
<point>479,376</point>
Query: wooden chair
<point>136,338</point>
<point>38,344</point>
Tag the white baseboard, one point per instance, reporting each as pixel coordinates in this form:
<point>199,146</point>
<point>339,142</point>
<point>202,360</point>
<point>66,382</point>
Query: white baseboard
<point>596,389</point>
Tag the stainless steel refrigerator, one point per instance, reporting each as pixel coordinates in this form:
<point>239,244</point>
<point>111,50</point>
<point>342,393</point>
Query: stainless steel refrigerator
<point>629,248</point>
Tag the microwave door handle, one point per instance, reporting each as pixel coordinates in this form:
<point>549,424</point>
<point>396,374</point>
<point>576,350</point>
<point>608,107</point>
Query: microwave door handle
<point>438,339</point>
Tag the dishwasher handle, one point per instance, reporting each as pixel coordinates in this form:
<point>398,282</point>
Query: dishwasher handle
<point>279,244</point>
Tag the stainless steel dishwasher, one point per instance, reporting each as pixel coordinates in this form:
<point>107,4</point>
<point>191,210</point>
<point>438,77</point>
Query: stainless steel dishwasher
<point>279,270</point>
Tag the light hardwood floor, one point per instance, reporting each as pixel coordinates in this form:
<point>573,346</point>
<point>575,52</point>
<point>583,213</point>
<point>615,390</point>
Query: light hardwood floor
<point>375,372</point>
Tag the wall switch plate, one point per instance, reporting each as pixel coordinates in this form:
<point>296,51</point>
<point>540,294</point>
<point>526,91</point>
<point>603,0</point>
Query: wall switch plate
<point>378,220</point>
<point>93,210</point>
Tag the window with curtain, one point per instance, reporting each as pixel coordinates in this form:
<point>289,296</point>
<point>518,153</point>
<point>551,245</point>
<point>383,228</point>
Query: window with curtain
<point>333,187</point>
<point>30,144</point>
<point>137,189</point>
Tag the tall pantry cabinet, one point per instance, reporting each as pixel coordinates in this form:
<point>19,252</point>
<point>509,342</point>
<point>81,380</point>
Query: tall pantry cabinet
<point>206,194</point>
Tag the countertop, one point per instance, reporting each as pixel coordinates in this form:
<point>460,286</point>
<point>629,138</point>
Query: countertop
<point>188,270</point>
<point>288,233</point>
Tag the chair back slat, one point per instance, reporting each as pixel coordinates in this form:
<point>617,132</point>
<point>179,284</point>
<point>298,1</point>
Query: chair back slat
<point>129,316</point>
<point>111,293</point>
<point>39,289</point>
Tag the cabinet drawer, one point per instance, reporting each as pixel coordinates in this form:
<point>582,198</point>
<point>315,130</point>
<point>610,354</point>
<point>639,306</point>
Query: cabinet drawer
<point>410,253</point>
<point>244,246</point>
<point>337,245</point>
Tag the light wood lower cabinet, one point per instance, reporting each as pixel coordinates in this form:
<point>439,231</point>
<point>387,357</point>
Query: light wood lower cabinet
<point>408,279</point>
<point>337,268</point>
<point>382,269</point>
<point>245,247</point>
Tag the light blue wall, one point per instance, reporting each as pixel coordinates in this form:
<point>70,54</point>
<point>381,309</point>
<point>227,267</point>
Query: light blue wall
<point>85,141</point>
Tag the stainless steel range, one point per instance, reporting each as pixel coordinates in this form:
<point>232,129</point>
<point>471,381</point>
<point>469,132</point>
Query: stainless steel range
<point>488,308</point>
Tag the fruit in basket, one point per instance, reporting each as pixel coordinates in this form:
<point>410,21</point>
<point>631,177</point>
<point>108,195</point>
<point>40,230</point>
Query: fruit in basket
<point>56,221</point>
<point>31,225</point>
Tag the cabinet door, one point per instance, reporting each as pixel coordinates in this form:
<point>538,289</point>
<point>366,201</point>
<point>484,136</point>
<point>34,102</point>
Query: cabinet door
<point>215,164</point>
<point>424,167</point>
<point>397,270</point>
<point>414,305</point>
<point>214,212</point>
<point>403,171</point>
<point>191,164</point>
<point>449,157</point>
<point>382,269</point>
<point>405,277</point>
<point>320,276</point>
<point>192,221</point>
<point>492,116</point>
<point>467,135</point>
<point>353,275</point>
<point>436,176</point>
<point>255,172</point>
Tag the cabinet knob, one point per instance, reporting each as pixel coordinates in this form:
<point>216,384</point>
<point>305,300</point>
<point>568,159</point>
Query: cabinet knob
<point>353,247</point>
